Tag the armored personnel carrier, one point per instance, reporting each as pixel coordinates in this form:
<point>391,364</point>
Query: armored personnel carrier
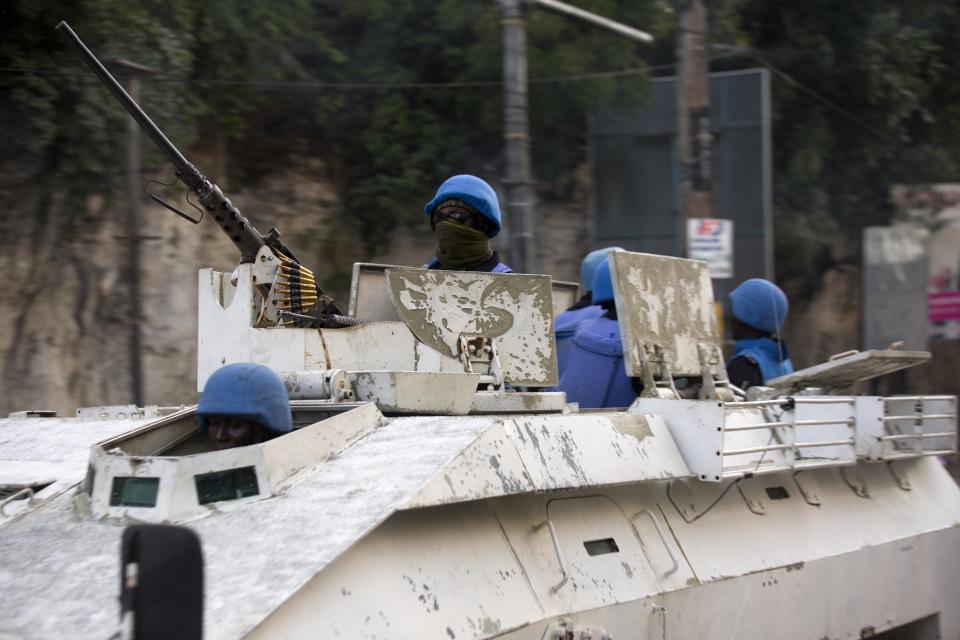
<point>434,489</point>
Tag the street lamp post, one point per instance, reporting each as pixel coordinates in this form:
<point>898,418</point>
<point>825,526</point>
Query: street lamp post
<point>516,130</point>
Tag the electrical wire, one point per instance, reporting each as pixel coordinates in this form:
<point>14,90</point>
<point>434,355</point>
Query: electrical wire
<point>773,434</point>
<point>705,511</point>
<point>386,86</point>
<point>368,86</point>
<point>820,98</point>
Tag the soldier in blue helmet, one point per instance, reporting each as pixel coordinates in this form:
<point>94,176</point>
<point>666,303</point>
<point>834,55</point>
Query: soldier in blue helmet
<point>465,215</point>
<point>243,404</point>
<point>566,324</point>
<point>595,375</point>
<point>759,308</point>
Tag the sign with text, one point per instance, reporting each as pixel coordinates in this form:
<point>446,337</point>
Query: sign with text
<point>944,306</point>
<point>711,240</point>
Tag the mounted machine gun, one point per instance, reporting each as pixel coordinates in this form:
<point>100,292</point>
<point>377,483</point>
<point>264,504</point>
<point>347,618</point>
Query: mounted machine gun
<point>291,296</point>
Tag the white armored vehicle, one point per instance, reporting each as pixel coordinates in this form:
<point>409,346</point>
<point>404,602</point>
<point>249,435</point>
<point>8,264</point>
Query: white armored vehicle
<point>424,495</point>
<point>435,488</point>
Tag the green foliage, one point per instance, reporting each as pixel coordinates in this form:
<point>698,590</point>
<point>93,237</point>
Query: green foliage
<point>60,128</point>
<point>233,72</point>
<point>563,47</point>
<point>65,130</point>
<point>883,67</point>
<point>226,68</point>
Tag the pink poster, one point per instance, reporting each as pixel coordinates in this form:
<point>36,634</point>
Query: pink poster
<point>944,306</point>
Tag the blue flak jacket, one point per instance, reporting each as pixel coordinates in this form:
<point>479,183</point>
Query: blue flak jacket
<point>497,268</point>
<point>595,376</point>
<point>565,326</point>
<point>766,354</point>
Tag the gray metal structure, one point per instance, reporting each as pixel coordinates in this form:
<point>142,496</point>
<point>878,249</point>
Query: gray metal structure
<point>636,184</point>
<point>895,273</point>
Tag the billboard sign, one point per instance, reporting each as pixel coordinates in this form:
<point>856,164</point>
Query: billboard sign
<point>711,240</point>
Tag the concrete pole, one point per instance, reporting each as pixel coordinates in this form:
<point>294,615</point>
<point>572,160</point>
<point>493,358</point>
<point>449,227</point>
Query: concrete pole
<point>133,237</point>
<point>520,217</point>
<point>694,140</point>
<point>519,212</point>
<point>133,246</point>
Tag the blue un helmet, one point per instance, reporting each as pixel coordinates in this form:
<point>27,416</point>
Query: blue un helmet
<point>473,191</point>
<point>602,287</point>
<point>249,391</point>
<point>760,304</point>
<point>589,265</point>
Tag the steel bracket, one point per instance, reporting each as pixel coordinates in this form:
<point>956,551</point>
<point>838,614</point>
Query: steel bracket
<point>855,481</point>
<point>750,496</point>
<point>556,548</point>
<point>663,538</point>
<point>716,384</point>
<point>479,355</point>
<point>807,488</point>
<point>900,473</point>
<point>655,371</point>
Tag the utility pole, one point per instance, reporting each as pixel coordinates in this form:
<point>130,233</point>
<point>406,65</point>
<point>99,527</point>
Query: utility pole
<point>134,73</point>
<point>516,130</point>
<point>516,138</point>
<point>694,140</point>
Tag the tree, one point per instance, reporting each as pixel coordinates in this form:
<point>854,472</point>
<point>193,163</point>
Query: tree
<point>392,95</point>
<point>399,142</point>
<point>860,102</point>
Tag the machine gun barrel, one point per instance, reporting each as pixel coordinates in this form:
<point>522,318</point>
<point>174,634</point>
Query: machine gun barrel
<point>301,286</point>
<point>236,226</point>
<point>152,130</point>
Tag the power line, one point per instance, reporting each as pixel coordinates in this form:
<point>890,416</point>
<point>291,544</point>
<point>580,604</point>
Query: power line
<point>826,101</point>
<point>386,86</point>
<point>279,84</point>
<point>350,86</point>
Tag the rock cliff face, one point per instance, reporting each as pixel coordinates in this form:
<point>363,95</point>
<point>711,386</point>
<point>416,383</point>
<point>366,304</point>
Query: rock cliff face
<point>64,335</point>
<point>65,324</point>
<point>828,323</point>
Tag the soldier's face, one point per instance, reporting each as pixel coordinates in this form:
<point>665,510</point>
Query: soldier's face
<point>459,214</point>
<point>225,432</point>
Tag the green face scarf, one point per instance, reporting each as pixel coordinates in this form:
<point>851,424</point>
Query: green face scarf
<point>459,246</point>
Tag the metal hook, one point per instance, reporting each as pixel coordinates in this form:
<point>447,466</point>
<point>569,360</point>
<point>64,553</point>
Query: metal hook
<point>169,206</point>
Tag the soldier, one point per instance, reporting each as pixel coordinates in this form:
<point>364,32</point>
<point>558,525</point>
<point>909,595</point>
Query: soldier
<point>566,324</point>
<point>759,308</point>
<point>595,375</point>
<point>464,216</point>
<point>243,404</point>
